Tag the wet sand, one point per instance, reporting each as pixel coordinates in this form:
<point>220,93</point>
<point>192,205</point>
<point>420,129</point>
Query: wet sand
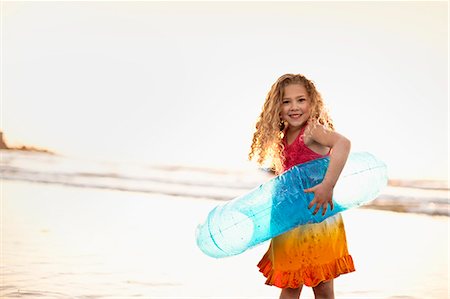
<point>65,242</point>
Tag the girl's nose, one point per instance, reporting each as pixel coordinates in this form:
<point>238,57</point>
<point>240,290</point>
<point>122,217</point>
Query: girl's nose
<point>295,106</point>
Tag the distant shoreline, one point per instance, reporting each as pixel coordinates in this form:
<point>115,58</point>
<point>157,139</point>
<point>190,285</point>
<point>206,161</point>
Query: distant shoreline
<point>4,146</point>
<point>420,184</point>
<point>24,148</point>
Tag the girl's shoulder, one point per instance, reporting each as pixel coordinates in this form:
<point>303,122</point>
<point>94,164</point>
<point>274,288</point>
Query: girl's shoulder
<point>318,134</point>
<point>312,129</point>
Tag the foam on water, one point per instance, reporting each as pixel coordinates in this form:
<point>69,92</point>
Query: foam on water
<point>429,197</point>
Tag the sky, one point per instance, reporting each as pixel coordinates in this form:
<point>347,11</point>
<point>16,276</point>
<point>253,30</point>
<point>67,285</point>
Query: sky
<point>184,82</point>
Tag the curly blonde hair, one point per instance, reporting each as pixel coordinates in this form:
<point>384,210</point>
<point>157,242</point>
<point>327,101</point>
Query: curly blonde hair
<point>267,145</point>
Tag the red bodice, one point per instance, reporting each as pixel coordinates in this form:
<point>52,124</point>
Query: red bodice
<point>298,152</point>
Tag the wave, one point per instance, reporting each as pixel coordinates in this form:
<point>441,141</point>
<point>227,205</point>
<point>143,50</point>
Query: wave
<point>428,197</point>
<point>219,184</point>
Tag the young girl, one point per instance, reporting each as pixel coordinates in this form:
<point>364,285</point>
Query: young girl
<point>294,127</point>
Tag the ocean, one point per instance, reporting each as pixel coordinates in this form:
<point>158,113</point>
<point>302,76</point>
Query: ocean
<point>411,196</point>
<point>79,228</point>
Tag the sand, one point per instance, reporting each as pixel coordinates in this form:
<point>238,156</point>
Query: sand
<point>66,242</point>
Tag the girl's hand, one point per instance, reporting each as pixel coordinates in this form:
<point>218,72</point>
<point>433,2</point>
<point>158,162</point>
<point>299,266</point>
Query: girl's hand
<point>323,195</point>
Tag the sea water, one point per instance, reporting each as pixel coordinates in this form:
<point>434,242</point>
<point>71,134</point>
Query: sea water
<point>427,197</point>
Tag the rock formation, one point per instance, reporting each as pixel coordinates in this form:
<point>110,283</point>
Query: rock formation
<point>2,142</point>
<point>4,146</point>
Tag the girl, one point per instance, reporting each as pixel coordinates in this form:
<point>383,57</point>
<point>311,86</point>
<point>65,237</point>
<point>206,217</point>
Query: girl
<point>294,127</point>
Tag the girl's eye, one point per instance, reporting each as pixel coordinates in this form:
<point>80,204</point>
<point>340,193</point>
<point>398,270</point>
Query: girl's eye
<point>285,102</point>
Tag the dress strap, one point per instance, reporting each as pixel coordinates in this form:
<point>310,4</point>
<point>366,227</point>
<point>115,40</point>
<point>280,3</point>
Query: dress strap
<point>302,131</point>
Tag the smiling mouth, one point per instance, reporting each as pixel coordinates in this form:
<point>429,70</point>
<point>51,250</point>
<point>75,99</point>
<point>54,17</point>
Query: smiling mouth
<point>295,115</point>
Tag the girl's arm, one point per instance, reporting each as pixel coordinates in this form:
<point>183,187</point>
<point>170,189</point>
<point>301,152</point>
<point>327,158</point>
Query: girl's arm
<point>340,148</point>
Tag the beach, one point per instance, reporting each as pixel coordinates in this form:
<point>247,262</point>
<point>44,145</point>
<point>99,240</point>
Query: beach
<point>126,122</point>
<point>67,242</point>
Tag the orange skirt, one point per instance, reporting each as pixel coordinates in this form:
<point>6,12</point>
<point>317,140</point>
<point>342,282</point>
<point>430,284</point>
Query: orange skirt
<point>308,255</point>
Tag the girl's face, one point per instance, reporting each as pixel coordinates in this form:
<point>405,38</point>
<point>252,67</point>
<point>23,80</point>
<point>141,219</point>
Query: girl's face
<point>296,106</point>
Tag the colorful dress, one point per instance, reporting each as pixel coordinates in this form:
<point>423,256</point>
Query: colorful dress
<point>308,254</point>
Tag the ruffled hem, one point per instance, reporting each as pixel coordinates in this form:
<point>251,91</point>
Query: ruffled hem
<point>310,277</point>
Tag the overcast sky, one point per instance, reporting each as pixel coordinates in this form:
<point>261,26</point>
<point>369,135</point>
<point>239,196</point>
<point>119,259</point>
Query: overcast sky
<point>181,82</point>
